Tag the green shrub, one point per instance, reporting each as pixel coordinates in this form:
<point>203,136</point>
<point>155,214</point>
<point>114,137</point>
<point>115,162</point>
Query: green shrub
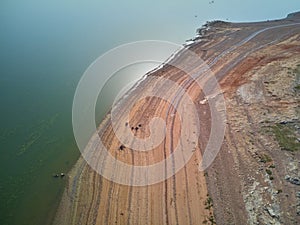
<point>269,172</point>
<point>286,137</point>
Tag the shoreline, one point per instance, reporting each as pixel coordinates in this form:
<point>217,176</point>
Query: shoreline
<point>68,202</point>
<point>63,212</point>
<point>187,196</point>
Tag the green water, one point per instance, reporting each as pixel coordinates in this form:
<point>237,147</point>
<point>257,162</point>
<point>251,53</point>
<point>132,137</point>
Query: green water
<point>36,141</point>
<point>39,74</point>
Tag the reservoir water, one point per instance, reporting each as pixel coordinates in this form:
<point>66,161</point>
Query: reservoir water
<point>45,49</point>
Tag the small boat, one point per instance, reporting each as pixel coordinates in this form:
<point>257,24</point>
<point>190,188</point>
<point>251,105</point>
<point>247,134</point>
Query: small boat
<point>58,175</point>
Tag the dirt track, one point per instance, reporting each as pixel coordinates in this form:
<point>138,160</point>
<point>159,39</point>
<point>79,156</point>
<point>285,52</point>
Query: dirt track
<point>238,54</point>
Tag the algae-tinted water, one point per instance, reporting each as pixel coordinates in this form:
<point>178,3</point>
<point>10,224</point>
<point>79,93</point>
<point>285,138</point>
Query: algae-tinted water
<point>41,64</point>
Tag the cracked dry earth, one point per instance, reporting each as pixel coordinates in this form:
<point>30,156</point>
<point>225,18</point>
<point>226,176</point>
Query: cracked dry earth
<point>255,178</point>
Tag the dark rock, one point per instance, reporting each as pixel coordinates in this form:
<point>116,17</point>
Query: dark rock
<point>272,212</point>
<point>293,15</point>
<point>295,181</point>
<point>283,122</point>
<point>292,180</point>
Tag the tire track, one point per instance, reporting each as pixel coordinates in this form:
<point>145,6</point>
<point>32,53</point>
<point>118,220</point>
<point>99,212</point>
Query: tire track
<point>151,102</point>
<point>186,84</point>
<point>189,82</point>
<point>112,137</point>
<point>178,98</point>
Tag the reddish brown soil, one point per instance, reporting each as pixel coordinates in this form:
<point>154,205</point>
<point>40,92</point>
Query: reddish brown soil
<point>236,181</point>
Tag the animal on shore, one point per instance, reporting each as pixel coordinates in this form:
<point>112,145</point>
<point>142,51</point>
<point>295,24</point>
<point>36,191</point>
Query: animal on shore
<point>122,147</point>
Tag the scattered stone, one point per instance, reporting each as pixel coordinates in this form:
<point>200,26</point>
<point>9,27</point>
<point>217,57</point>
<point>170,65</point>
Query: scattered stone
<point>272,212</point>
<point>283,122</point>
<point>295,181</point>
<point>292,180</point>
<point>298,203</point>
<point>122,147</point>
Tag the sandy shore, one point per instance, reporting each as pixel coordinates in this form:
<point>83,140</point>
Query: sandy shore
<point>236,53</point>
